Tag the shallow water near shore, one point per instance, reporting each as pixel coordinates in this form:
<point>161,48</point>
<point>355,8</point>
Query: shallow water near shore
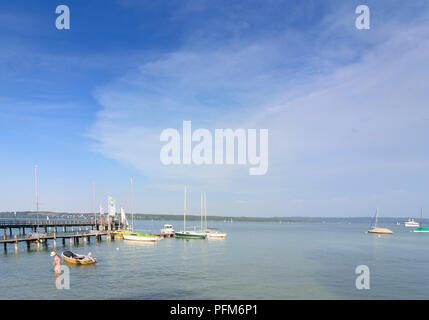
<point>256,261</point>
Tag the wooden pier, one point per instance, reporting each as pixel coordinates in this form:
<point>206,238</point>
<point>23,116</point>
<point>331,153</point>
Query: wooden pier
<point>59,224</point>
<point>82,230</point>
<point>79,230</point>
<point>43,239</point>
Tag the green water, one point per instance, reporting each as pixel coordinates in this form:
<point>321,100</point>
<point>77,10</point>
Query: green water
<point>256,261</point>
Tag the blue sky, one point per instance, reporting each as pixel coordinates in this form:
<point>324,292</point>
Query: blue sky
<point>346,109</point>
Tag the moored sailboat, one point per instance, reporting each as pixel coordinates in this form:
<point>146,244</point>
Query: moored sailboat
<point>136,236</point>
<point>185,234</point>
<point>378,230</point>
<point>421,228</point>
<point>211,233</point>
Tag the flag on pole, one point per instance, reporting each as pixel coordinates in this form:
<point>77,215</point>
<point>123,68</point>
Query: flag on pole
<point>101,210</point>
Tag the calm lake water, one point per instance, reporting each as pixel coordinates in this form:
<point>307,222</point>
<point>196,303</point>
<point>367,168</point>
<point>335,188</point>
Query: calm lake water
<point>256,261</point>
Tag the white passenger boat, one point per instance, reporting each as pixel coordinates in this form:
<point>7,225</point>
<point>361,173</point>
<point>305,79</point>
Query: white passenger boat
<point>412,223</point>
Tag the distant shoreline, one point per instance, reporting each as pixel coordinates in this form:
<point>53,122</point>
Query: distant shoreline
<point>179,217</point>
<point>141,216</point>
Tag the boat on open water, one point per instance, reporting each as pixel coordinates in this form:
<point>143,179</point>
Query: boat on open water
<point>411,223</point>
<point>378,230</point>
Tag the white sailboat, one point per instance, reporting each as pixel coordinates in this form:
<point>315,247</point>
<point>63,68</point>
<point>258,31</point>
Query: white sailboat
<point>211,234</point>
<point>378,230</point>
<point>137,236</point>
<point>124,221</point>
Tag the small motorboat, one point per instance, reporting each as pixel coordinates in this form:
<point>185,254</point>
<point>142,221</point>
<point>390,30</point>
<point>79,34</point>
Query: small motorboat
<point>78,258</point>
<point>167,229</point>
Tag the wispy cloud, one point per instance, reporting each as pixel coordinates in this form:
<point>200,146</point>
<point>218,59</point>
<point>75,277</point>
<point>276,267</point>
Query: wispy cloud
<point>359,104</point>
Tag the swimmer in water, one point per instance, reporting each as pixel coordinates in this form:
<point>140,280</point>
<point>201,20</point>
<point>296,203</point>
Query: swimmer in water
<point>57,262</point>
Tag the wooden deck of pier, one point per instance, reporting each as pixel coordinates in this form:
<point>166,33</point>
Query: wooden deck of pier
<point>61,224</point>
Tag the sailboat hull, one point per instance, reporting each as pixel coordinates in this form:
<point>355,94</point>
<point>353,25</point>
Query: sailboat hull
<point>216,235</point>
<point>190,235</point>
<point>140,237</point>
<point>380,231</point>
<point>421,230</point>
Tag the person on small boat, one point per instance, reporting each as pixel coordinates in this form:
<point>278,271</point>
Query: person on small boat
<point>57,262</point>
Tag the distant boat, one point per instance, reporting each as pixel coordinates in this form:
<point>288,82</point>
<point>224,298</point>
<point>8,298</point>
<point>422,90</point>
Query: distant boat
<point>411,223</point>
<point>184,234</point>
<point>78,258</point>
<point>378,230</point>
<point>421,229</point>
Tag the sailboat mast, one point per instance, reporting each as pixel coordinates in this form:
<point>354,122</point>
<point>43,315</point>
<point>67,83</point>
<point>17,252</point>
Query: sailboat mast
<point>205,207</point>
<point>184,212</point>
<point>376,217</point>
<point>421,217</point>
<point>37,195</point>
<point>125,198</point>
<point>93,202</point>
<point>132,203</point>
<point>201,211</point>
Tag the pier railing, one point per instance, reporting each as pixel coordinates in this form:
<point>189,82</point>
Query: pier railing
<point>49,223</point>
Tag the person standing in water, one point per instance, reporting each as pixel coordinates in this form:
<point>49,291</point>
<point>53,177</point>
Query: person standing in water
<point>57,262</point>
